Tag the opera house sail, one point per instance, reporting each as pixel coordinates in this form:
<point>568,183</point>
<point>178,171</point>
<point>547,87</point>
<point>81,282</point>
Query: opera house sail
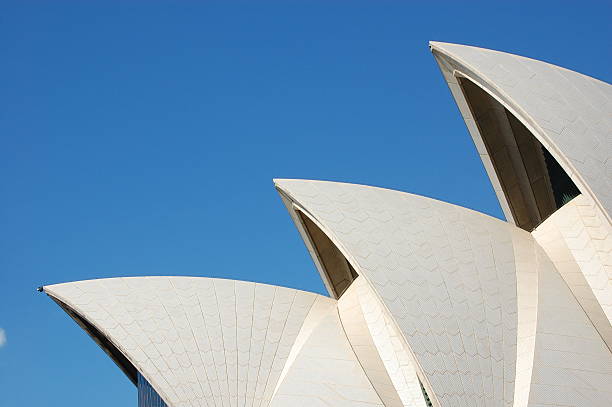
<point>429,304</point>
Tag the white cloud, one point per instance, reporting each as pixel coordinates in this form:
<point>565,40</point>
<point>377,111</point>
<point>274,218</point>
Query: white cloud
<point>2,337</point>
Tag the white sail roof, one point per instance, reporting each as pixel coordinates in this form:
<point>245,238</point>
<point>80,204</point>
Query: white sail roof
<point>214,342</point>
<point>568,112</point>
<point>481,306</point>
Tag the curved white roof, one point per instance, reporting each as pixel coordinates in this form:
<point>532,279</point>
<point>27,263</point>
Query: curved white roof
<point>380,346</point>
<point>188,336</point>
<point>578,239</point>
<point>569,113</point>
<point>323,369</point>
<point>480,305</point>
<point>214,342</point>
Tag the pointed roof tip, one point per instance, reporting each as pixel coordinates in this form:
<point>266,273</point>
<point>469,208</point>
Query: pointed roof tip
<point>440,45</point>
<point>435,43</point>
<point>283,185</point>
<point>278,181</point>
<point>449,48</point>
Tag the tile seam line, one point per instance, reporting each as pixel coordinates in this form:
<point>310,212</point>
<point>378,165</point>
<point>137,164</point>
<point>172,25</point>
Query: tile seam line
<point>315,298</point>
<point>212,353</point>
<point>194,338</point>
<point>236,335</point>
<point>246,385</point>
<point>223,344</point>
<point>267,403</point>
<point>99,282</point>
<point>485,307</point>
<point>447,240</point>
<point>155,345</point>
<point>177,332</point>
<point>263,348</point>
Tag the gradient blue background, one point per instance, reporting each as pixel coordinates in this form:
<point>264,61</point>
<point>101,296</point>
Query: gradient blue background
<point>142,139</point>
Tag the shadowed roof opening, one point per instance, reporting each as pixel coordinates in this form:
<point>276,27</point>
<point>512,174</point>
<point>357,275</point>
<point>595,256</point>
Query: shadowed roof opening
<point>339,272</point>
<point>107,346</point>
<point>533,182</point>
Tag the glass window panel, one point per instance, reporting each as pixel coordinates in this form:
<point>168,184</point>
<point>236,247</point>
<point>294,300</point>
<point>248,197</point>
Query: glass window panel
<point>147,396</point>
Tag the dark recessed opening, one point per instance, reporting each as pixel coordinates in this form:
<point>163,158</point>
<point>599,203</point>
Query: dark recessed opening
<point>562,185</point>
<point>428,402</point>
<point>339,272</point>
<point>533,182</point>
<point>107,346</point>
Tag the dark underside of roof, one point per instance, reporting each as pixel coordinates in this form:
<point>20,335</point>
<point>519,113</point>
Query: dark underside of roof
<point>107,346</point>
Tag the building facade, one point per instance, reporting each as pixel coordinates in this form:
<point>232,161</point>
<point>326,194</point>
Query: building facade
<point>429,304</point>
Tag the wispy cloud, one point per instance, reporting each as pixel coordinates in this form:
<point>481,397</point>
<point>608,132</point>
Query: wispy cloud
<point>2,337</point>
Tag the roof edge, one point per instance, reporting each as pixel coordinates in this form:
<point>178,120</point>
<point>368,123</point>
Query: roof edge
<point>117,356</point>
<point>278,183</point>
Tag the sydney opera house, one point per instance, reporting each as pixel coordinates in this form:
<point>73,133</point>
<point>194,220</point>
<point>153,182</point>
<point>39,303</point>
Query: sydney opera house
<point>429,304</point>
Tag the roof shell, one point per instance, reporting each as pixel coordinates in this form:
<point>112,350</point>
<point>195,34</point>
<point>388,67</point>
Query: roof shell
<point>568,112</point>
<point>215,342</point>
<point>196,339</point>
<point>481,306</point>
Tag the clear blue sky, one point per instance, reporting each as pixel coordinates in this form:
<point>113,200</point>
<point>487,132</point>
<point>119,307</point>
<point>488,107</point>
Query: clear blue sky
<point>142,139</point>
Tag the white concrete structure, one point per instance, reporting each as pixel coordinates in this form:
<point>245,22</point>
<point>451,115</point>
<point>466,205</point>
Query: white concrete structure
<point>486,316</point>
<point>578,240</point>
<point>214,342</point>
<point>430,304</point>
<point>568,113</point>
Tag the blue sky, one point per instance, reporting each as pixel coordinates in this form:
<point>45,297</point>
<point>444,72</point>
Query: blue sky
<point>141,138</point>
